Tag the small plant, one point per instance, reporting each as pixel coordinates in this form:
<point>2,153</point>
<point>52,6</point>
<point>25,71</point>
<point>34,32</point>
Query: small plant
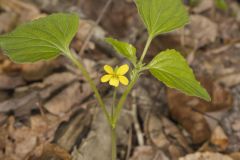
<point>49,37</point>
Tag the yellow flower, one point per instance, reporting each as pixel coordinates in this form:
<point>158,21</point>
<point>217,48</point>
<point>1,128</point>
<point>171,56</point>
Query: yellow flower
<point>115,76</point>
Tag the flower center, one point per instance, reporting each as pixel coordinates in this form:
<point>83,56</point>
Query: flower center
<point>115,75</point>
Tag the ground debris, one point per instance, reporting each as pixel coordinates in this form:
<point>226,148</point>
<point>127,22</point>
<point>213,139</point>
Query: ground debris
<point>206,156</point>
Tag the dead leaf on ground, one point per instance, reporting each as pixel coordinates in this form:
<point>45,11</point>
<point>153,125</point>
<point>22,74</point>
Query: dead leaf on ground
<point>219,138</point>
<point>39,70</point>
<point>206,156</point>
<point>203,6</point>
<point>98,140</point>
<point>85,26</point>
<point>64,101</point>
<point>148,153</point>
<point>26,11</point>
<point>202,30</point>
<point>21,104</point>
<point>218,142</point>
<point>190,110</point>
<point>10,82</point>
<point>71,133</point>
<point>235,156</point>
<point>50,152</point>
<point>22,140</point>
<point>8,21</point>
<point>166,136</point>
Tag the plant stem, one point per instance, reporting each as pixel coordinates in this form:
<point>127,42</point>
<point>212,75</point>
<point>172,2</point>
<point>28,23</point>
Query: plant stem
<point>113,129</point>
<point>135,76</point>
<point>123,97</point>
<point>149,40</point>
<point>113,102</point>
<point>114,144</point>
<point>86,75</point>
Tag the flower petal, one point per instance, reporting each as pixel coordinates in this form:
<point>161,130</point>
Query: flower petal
<point>123,80</point>
<point>122,70</point>
<point>114,82</point>
<point>108,69</point>
<point>106,78</point>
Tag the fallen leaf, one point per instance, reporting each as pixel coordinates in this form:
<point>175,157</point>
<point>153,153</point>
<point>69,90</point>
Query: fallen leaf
<point>219,138</point>
<point>8,21</point>
<point>206,156</point>
<point>200,31</point>
<point>64,101</point>
<point>10,82</point>
<point>190,110</point>
<point>235,156</point>
<point>52,151</point>
<point>39,70</point>
<point>166,136</point>
<point>67,136</point>
<point>148,153</point>
<point>26,11</point>
<point>98,140</point>
<point>218,142</point>
<point>203,6</point>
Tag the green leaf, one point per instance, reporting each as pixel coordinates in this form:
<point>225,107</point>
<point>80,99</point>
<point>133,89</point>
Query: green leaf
<point>123,48</point>
<point>41,39</point>
<point>221,4</point>
<point>172,69</point>
<point>161,16</point>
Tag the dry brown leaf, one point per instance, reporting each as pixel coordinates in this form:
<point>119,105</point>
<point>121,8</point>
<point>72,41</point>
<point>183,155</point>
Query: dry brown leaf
<point>68,134</point>
<point>235,156</point>
<point>10,82</point>
<point>39,70</point>
<point>148,153</point>
<point>206,156</point>
<point>52,151</point>
<point>23,140</point>
<point>189,110</point>
<point>25,10</point>
<point>200,31</point>
<point>230,80</point>
<point>218,142</point>
<point>85,26</point>
<point>64,101</point>
<point>21,104</point>
<point>8,21</point>
<point>166,136</point>
<point>203,6</point>
<point>98,140</point>
<point>219,138</point>
<point>193,122</point>
<point>203,30</point>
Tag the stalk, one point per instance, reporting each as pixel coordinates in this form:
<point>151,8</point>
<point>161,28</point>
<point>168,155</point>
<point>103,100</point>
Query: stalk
<point>135,76</point>
<point>149,40</point>
<point>114,144</point>
<point>86,75</point>
<point>113,129</point>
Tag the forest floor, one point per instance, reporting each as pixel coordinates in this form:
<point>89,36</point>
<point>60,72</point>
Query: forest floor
<point>48,111</point>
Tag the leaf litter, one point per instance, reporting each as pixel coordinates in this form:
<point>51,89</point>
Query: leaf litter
<point>172,125</point>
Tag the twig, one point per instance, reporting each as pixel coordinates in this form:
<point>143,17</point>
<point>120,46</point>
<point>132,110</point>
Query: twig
<point>222,48</point>
<point>91,32</point>
<point>135,120</point>
<point>129,144</point>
